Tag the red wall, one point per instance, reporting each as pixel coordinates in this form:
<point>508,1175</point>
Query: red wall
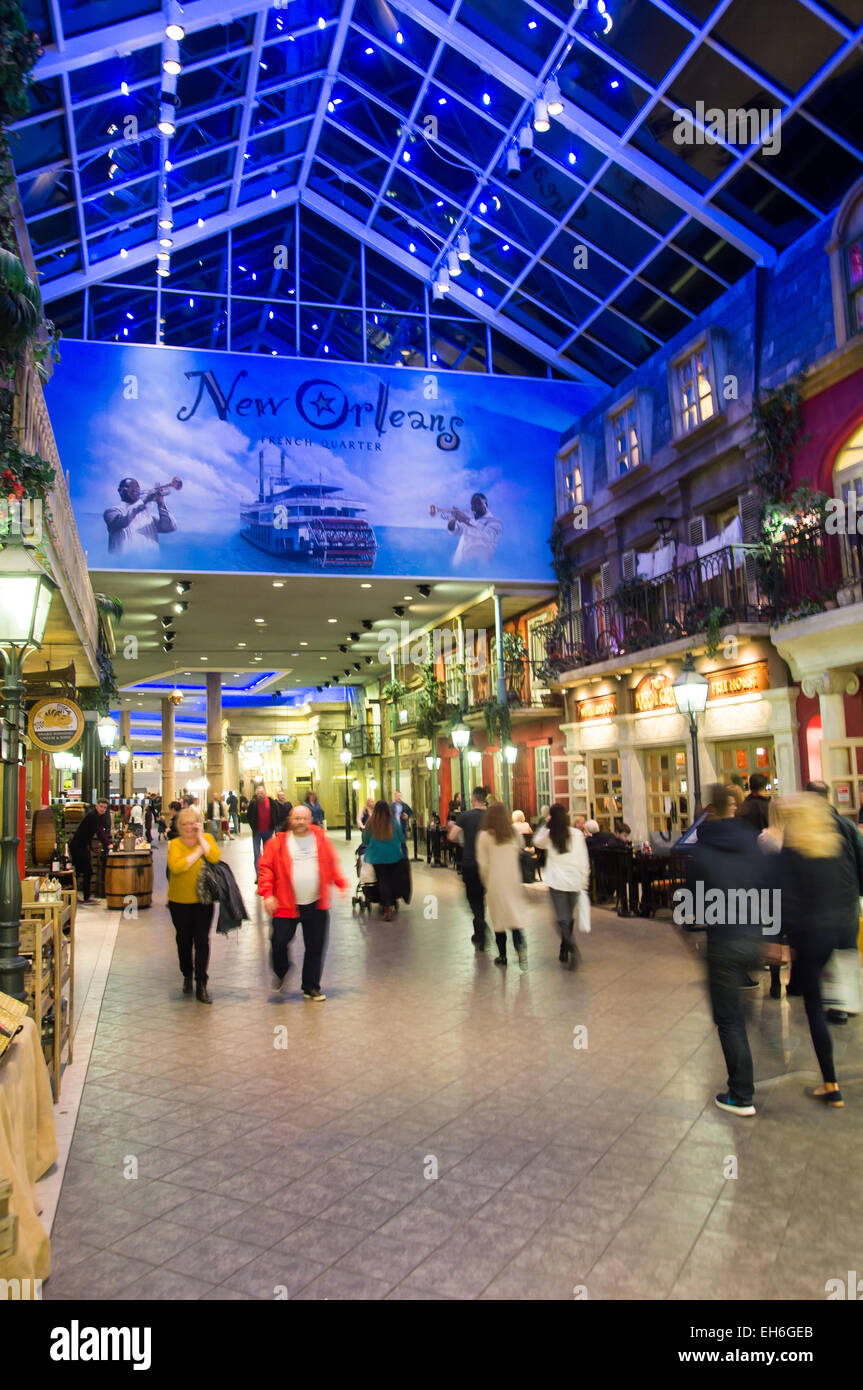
<point>829,419</point>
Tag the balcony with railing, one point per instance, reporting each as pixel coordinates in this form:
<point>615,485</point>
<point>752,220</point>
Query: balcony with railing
<point>526,688</point>
<point>364,741</point>
<point>720,590</point>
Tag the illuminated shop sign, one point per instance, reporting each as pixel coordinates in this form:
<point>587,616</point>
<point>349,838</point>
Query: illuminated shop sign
<point>740,680</point>
<point>653,692</point>
<point>602,707</point>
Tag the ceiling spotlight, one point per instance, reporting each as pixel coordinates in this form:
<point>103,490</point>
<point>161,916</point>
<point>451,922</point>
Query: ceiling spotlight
<point>541,121</point>
<point>368,624</point>
<point>174,27</point>
<point>180,607</point>
<point>357,666</point>
<point>168,644</point>
<point>525,141</point>
<point>553,98</point>
<point>171,61</point>
<point>166,217</point>
<point>347,673</point>
<point>513,163</point>
<point>167,125</point>
<point>342,647</point>
<point>464,246</point>
<point>167,621</point>
<point>183,586</point>
<point>163,263</point>
<point>424,589</point>
<point>438,291</point>
<point>166,241</point>
<point>399,611</point>
<point>326,685</point>
<point>368,661</point>
<point>453,263</point>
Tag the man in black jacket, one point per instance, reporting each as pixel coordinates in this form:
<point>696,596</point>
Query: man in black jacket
<point>726,857</point>
<point>284,808</point>
<point>95,823</point>
<point>756,806</point>
<point>264,818</point>
<point>848,891</point>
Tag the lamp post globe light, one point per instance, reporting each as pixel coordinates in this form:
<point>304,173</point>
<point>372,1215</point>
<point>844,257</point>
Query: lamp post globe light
<point>346,756</point>
<point>107,729</point>
<point>690,692</point>
<point>26,590</point>
<point>461,738</point>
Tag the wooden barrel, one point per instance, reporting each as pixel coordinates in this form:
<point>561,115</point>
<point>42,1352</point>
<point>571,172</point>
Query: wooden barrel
<point>44,836</point>
<point>129,874</point>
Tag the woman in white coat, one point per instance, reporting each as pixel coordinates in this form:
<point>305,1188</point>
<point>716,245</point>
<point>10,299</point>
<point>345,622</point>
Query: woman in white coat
<point>498,848</point>
<point>567,873</point>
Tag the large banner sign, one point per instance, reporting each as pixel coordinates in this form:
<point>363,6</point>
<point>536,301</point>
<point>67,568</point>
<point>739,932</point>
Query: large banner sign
<point>189,460</point>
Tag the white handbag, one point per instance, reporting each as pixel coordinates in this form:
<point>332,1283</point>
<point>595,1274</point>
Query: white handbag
<point>367,873</point>
<point>841,982</point>
<point>582,912</point>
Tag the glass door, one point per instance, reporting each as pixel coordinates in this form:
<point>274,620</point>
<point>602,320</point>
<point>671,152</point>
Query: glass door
<point>605,790</point>
<point>668,801</point>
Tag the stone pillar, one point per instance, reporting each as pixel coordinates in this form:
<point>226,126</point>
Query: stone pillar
<point>215,747</point>
<point>831,687</point>
<point>126,773</point>
<point>633,789</point>
<point>167,755</point>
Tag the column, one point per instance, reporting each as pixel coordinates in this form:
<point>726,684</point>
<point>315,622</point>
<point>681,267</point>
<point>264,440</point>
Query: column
<point>831,687</point>
<point>126,774</point>
<point>90,753</point>
<point>215,747</point>
<point>167,755</point>
<point>633,789</point>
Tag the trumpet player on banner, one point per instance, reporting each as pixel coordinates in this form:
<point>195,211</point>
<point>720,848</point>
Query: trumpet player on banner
<point>134,522</point>
<point>478,534</point>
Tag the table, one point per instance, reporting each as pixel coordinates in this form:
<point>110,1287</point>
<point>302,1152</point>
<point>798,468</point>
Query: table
<point>28,1147</point>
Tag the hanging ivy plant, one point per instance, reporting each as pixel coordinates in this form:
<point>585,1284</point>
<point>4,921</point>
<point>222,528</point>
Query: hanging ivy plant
<point>395,691</point>
<point>779,434</point>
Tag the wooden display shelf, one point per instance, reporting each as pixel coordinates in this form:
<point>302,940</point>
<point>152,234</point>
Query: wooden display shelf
<point>49,931</point>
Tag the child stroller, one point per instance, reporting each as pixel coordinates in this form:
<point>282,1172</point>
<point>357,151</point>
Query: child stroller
<point>366,893</point>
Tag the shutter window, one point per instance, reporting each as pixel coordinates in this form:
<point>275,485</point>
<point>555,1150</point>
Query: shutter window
<point>605,579</point>
<point>697,530</point>
<point>628,565</point>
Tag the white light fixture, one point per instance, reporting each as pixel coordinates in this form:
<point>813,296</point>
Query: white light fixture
<point>541,121</point>
<point>25,595</point>
<point>453,263</point>
<point>690,689</point>
<point>460,736</point>
<point>510,753</point>
<point>166,241</point>
<point>171,57</point>
<point>166,217</point>
<point>553,98</point>
<point>464,246</point>
<point>474,757</point>
<point>432,762</point>
<point>163,267</point>
<point>124,753</point>
<point>525,141</point>
<point>107,729</point>
<point>167,125</point>
<point>174,27</point>
<point>513,163</point>
<point>345,757</point>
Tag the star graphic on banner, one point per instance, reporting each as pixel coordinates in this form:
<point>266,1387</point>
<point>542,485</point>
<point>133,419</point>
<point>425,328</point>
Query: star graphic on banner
<point>322,403</point>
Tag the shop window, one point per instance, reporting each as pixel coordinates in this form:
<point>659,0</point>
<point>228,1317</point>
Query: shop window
<point>667,792</point>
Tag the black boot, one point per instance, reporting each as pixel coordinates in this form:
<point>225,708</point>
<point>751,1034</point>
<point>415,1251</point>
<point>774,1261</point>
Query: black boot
<point>187,984</point>
<point>202,994</point>
<point>564,953</point>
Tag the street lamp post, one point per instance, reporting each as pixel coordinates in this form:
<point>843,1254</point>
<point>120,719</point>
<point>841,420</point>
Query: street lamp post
<point>433,763</point>
<point>510,754</point>
<point>690,691</point>
<point>346,755</point>
<point>461,738</point>
<point>25,597</point>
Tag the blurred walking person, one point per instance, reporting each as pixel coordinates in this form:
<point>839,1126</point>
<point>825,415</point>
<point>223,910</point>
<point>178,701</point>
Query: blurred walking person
<point>498,848</point>
<point>841,985</point>
<point>263,817</point>
<point>192,920</point>
<point>727,858</point>
<point>567,874</point>
<point>817,889</point>
<point>463,831</point>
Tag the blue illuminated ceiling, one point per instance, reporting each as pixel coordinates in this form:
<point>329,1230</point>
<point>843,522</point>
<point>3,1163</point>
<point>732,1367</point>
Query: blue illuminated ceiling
<point>331,105</point>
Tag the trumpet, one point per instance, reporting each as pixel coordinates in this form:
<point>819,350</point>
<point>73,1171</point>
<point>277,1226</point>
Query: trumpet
<point>158,492</point>
<point>441,512</point>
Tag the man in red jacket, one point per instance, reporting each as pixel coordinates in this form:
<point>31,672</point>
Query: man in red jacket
<point>295,875</point>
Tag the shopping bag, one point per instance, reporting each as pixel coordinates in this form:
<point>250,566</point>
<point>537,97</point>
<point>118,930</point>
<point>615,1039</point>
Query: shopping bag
<point>841,982</point>
<point>367,873</point>
<point>582,912</point>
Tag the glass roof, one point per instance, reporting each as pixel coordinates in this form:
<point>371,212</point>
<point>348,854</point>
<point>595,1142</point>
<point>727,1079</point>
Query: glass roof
<point>363,137</point>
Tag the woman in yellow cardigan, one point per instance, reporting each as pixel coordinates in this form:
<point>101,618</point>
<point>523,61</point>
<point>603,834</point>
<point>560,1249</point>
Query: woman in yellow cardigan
<point>192,920</point>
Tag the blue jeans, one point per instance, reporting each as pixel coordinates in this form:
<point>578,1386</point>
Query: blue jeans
<point>729,960</point>
<point>259,839</point>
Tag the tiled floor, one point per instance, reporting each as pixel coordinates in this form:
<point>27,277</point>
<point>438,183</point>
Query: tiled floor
<point>431,1131</point>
